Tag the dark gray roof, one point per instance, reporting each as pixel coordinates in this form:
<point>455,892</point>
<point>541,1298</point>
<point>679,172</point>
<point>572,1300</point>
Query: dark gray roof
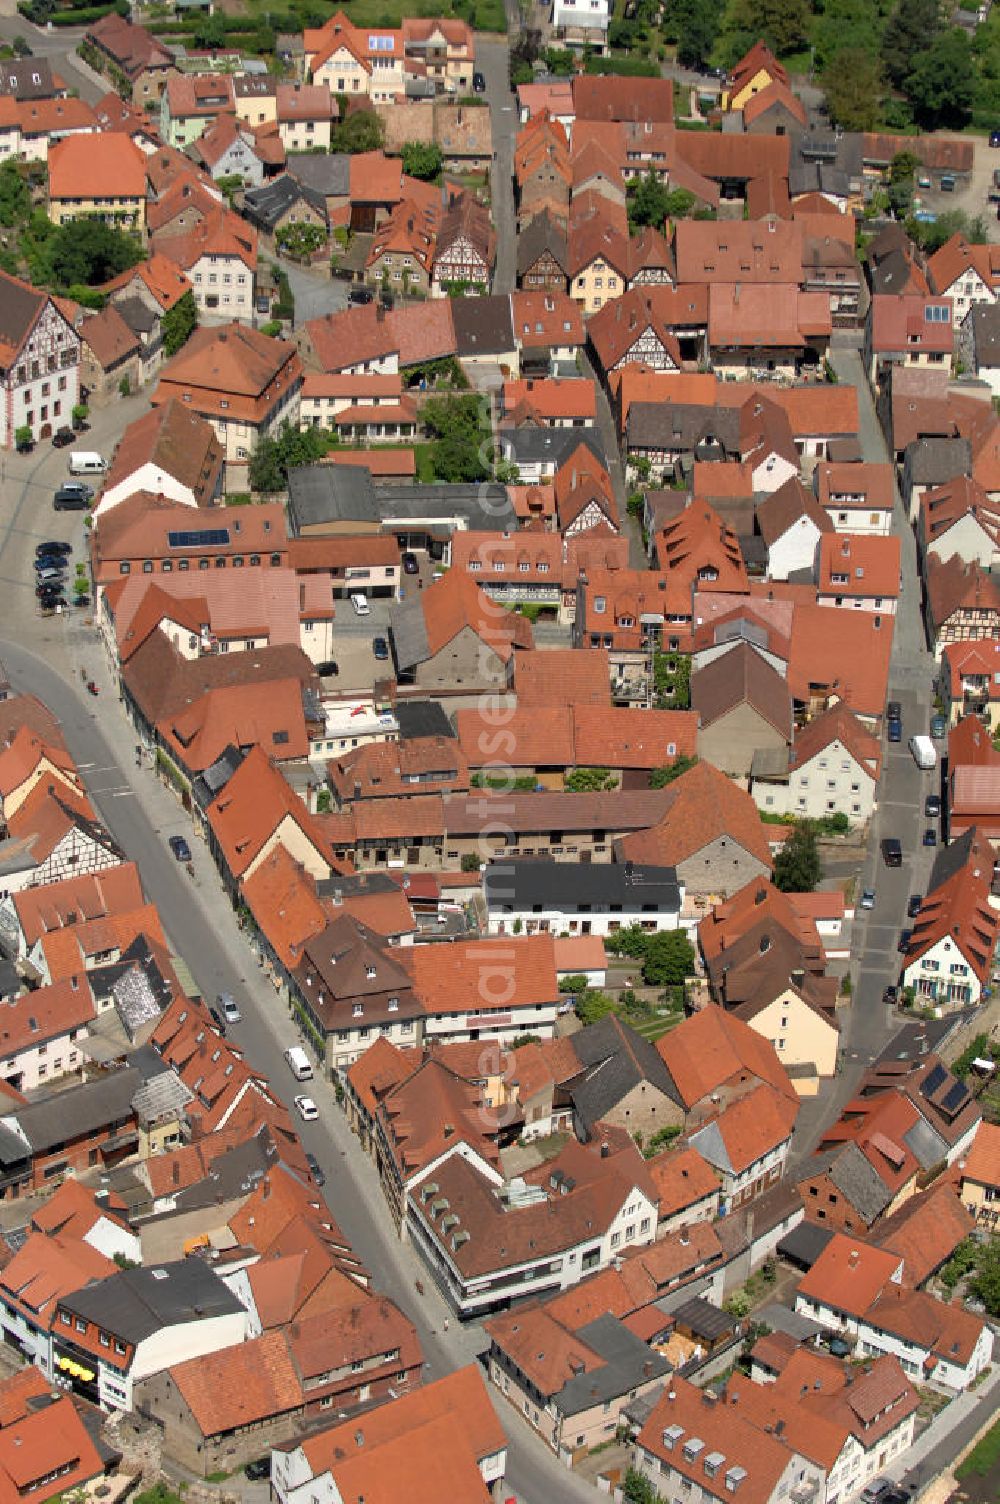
<point>705,1320</point>
<point>782,1319</point>
<point>483,326</point>
<point>924,1036</point>
<point>635,888</point>
<point>215,777</point>
<point>531,446</point>
<point>927,1146</point>
<point>615,1059</point>
<point>20,306</point>
<point>86,1108</point>
<point>409,633</point>
<point>844,152</point>
<point>422,718</point>
<point>236,1172</point>
<point>485,508</point>
<point>818,177</point>
<point>628,1362</point>
<point>986,334</point>
<point>265,206</point>
<point>139,318</point>
<point>136,1303</point>
<point>854,1177</point>
<point>356,884</point>
<point>933,461</point>
<point>541,235</point>
<point>330,493</point>
<point>326,175</point>
<point>686,426</point>
<point>804,1244</point>
<point>891,273</point>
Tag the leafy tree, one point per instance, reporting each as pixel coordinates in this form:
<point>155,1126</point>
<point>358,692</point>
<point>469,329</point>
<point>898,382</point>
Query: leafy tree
<point>660,777</point>
<point>422,160</point>
<point>361,130</point>
<point>941,85</point>
<point>629,941</point>
<point>911,29</point>
<point>669,959</point>
<point>179,323</point>
<point>300,239</point>
<point>15,196</point>
<point>593,1005</point>
<point>637,1489</point>
<point>573,984</point>
<point>209,31</point>
<point>797,867</point>
<point>90,252</point>
<point>931,237</point>
<point>782,24</point>
<point>588,780</point>
<point>986,1283</point>
<point>902,180</point>
<point>695,24</point>
<point>460,433</point>
<point>274,457</point>
<point>853,85</point>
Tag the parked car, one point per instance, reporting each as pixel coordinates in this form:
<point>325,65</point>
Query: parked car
<point>893,711</point>
<point>230,1008</point>
<point>360,295</point>
<point>53,546</point>
<point>479,82</point>
<point>380,648</point>
<point>947,183</point>
<point>932,806</point>
<point>410,565</point>
<point>892,852</point>
<point>895,731</point>
<point>258,1470</point>
<point>360,605</point>
<point>913,906</point>
<point>67,500</point>
<point>903,943</point>
<point>49,601</point>
<point>49,575</point>
<point>875,1491</point>
<point>930,836</point>
<point>180,848</point>
<point>890,996</point>
<point>63,437</point>
<point>306,1109</point>
<point>995,138</point>
<point>327,669</point>
<point>868,898</point>
<point>315,1169</point>
<point>939,725</point>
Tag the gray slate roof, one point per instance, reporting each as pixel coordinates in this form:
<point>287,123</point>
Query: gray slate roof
<point>615,1059</point>
<point>409,633</point>
<point>932,462</point>
<point>854,1177</point>
<point>327,175</point>
<point>265,206</point>
<point>483,326</point>
<point>628,1362</point>
<point>137,1303</point>
<point>86,1108</point>
<point>566,884</point>
<point>685,426</point>
<point>531,446</point>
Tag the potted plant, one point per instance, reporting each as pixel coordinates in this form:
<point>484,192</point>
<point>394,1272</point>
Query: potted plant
<point>23,440</point>
<point>81,412</point>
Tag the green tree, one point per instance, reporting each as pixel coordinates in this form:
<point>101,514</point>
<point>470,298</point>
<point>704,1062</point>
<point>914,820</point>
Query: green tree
<point>782,24</point>
<point>460,436</point>
<point>797,867</point>
<point>660,777</point>
<point>300,239</point>
<point>902,180</point>
<point>15,196</point>
<point>629,941</point>
<point>669,959</point>
<point>931,237</point>
<point>422,160</point>
<point>361,130</point>
<point>179,323</point>
<point>637,1488</point>
<point>647,202</point>
<point>274,457</point>
<point>853,86</point>
<point>588,780</point>
<point>985,1284</point>
<point>941,84</point>
<point>209,31</point>
<point>695,25</point>
<point>910,30</point>
<point>89,252</point>
<point>593,1005</point>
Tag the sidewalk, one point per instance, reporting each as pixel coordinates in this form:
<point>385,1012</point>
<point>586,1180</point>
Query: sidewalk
<point>948,1434</point>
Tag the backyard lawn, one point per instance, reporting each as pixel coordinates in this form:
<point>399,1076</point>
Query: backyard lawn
<point>980,1472</point>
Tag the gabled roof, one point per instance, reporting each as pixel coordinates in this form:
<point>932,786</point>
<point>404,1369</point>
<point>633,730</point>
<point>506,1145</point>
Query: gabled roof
<point>713,1049</point>
<point>786,506</point>
<point>614,1060</point>
<point>102,166</point>
<point>959,913</point>
<point>849,1275</point>
<point>703,805</point>
<point>856,564</point>
<point>954,585</point>
<point>742,678</point>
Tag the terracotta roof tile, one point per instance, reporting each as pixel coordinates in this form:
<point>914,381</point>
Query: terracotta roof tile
<point>712,1049</point>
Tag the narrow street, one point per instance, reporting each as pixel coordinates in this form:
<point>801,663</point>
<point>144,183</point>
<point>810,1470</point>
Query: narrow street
<point>493,58</point>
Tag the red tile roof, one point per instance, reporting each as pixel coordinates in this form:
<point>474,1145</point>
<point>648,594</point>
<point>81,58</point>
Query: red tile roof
<point>714,1049</point>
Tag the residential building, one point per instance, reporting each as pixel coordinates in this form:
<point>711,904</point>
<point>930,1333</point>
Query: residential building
<point>792,523</point>
<point>747,1144</point>
<point>860,573</point>
<point>171,453</point>
<point>131,54</point>
<point>833,764</point>
<point>98,177</point>
<point>580,899</point>
<point>908,331</point>
<point>743,708</point>
<point>190,103</point>
<point>962,602</point>
<point>245,384</point>
<point>959,518</point>
<point>40,380</point>
<point>715,1060</point>
<point>967,274</point>
<point>857,498</point>
<point>951,955</point>
<point>980,1182</point>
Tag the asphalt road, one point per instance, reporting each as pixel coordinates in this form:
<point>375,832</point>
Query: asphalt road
<point>493,58</point>
<point>59,46</point>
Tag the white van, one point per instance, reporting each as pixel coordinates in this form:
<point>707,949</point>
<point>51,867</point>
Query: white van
<point>86,462</point>
<point>299,1063</point>
<point>361,606</point>
<point>924,751</point>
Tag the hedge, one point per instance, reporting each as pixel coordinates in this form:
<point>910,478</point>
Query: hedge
<point>626,67</point>
<point>72,17</point>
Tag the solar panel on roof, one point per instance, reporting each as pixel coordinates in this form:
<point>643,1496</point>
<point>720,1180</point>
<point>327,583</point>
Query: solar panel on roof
<point>933,1081</point>
<point>956,1096</point>
<point>206,537</point>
